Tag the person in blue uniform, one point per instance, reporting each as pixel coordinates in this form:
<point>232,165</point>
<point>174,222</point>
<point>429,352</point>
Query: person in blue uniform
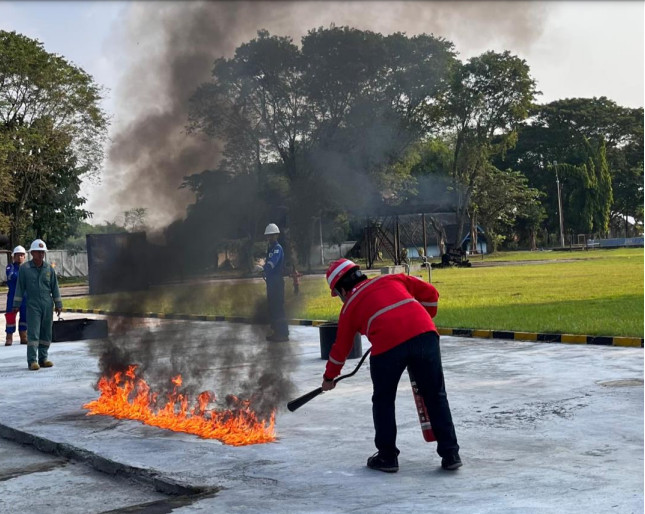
<point>274,275</point>
<point>18,257</point>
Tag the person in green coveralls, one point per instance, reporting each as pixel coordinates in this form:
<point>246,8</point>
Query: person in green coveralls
<point>37,280</point>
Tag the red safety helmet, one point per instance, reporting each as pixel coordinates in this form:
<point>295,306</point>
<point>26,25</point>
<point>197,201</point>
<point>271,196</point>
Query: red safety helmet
<point>337,270</point>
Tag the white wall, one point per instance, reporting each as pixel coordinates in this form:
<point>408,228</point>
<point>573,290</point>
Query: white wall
<point>433,250</point>
<point>66,264</point>
<point>330,252</point>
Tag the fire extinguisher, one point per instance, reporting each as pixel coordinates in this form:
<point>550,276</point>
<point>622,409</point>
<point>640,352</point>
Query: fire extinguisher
<point>422,411</point>
<point>295,275</point>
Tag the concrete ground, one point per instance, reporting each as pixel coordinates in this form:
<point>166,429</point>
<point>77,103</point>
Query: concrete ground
<point>37,483</point>
<point>543,428</point>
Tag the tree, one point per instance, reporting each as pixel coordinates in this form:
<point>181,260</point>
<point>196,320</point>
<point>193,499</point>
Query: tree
<point>489,97</point>
<point>500,197</point>
<point>52,131</point>
<point>586,190</point>
<point>556,133</point>
<point>36,85</point>
<point>331,116</point>
<point>134,220</point>
<point>529,221</point>
<point>77,242</point>
<point>6,187</point>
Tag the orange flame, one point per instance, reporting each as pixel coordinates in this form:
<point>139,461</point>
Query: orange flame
<point>126,396</point>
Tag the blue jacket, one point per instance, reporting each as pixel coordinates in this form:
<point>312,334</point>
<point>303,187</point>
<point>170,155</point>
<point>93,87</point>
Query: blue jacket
<point>274,265</point>
<point>12,280</point>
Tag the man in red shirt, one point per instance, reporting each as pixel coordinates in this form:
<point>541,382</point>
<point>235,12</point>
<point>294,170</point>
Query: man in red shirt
<point>395,313</point>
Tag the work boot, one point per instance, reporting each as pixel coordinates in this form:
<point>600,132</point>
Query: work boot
<point>46,364</point>
<point>23,336</point>
<point>34,366</point>
<point>451,462</point>
<point>377,462</point>
<point>9,340</point>
<point>277,339</point>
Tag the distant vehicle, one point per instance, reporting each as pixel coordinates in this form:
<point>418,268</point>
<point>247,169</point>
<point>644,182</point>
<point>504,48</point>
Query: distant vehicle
<point>453,257</point>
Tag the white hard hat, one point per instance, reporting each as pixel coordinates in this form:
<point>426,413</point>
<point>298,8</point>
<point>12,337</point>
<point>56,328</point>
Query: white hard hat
<point>271,229</point>
<point>38,246</point>
<point>19,249</point>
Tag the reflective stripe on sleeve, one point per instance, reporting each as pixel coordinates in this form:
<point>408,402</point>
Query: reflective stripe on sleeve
<point>17,299</point>
<point>361,290</point>
<point>338,363</point>
<point>271,264</point>
<point>429,304</point>
<point>386,309</point>
<point>59,299</point>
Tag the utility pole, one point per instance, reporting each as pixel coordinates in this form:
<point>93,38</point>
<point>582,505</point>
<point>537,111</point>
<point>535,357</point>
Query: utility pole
<point>557,182</point>
<point>322,251</point>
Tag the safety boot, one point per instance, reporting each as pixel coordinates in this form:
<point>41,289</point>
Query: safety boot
<point>23,336</point>
<point>46,364</point>
<point>451,462</point>
<point>34,366</point>
<point>9,340</point>
<point>377,462</point>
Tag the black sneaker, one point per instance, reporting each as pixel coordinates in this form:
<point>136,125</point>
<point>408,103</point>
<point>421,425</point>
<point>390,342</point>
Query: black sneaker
<point>379,463</point>
<point>452,462</point>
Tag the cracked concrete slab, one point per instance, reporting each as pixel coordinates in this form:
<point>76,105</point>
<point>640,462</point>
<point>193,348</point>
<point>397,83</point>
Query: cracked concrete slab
<point>538,432</point>
<point>36,483</point>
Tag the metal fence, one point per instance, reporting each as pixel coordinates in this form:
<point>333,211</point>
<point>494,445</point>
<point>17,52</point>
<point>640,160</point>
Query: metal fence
<point>615,242</point>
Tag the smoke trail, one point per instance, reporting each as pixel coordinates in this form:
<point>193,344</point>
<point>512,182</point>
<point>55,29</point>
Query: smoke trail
<point>235,360</point>
<point>172,47</point>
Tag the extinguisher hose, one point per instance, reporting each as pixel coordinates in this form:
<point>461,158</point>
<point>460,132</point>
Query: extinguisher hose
<point>294,405</point>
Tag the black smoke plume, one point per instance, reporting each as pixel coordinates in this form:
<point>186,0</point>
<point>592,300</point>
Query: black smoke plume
<point>170,49</point>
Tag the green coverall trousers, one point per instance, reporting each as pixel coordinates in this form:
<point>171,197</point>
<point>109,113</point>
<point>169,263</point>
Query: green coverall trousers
<point>39,329</point>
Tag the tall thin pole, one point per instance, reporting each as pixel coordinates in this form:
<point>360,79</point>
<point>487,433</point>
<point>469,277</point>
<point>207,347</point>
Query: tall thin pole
<point>425,236</point>
<point>557,182</point>
<point>397,243</point>
<point>322,251</point>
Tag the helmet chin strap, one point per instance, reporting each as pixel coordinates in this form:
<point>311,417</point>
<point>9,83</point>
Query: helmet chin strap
<point>340,295</point>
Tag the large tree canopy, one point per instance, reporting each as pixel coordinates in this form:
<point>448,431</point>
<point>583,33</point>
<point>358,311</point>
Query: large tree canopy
<point>333,115</point>
<point>566,133</point>
<point>489,97</point>
<point>52,132</point>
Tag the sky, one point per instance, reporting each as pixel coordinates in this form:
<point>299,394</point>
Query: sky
<point>579,49</point>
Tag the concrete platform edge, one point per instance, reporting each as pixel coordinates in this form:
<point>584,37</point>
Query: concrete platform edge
<point>628,342</point>
<point>104,465</point>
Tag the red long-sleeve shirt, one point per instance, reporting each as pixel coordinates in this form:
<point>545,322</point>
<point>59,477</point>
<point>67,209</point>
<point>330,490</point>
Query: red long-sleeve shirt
<point>389,310</point>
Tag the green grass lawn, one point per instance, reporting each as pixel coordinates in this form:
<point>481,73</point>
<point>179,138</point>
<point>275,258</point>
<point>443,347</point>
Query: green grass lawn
<point>599,293</point>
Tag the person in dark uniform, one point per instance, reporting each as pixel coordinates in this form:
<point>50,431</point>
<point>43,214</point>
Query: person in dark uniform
<point>274,275</point>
